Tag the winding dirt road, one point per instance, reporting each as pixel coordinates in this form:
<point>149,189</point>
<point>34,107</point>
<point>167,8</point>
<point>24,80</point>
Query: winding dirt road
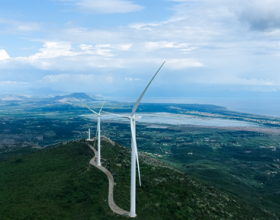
<point>111,202</point>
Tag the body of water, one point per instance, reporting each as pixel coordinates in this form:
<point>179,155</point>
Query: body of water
<point>178,119</point>
<point>260,106</point>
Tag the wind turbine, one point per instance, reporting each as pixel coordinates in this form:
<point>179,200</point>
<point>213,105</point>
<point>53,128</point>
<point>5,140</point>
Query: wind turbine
<point>134,152</point>
<point>98,131</point>
<point>99,114</point>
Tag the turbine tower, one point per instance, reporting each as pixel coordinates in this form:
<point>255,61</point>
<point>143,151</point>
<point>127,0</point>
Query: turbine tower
<point>88,134</point>
<point>98,131</point>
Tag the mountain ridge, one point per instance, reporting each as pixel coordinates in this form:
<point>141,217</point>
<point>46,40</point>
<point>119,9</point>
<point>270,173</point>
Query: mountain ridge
<point>74,97</point>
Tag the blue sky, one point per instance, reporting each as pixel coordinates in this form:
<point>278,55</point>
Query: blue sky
<point>113,47</point>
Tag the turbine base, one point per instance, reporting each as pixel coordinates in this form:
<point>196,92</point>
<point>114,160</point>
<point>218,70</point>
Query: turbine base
<point>134,216</point>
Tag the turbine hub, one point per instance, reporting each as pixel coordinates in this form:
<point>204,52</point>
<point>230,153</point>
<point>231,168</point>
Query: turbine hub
<point>134,117</point>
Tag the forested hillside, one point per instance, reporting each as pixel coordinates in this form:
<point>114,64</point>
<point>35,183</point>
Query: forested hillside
<point>59,183</point>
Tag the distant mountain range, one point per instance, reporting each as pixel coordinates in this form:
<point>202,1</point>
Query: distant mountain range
<point>74,97</point>
<point>11,97</point>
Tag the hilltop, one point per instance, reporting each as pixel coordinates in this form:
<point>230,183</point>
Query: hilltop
<point>74,97</point>
<point>59,183</point>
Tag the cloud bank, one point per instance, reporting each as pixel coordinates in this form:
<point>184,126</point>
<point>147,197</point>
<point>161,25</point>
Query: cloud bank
<point>62,56</point>
<point>204,43</point>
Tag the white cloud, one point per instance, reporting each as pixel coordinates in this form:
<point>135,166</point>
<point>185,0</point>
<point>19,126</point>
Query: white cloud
<point>149,25</point>
<point>48,54</point>
<point>4,55</point>
<point>77,79</point>
<point>98,95</point>
<point>125,46</point>
<point>258,14</point>
<point>21,26</point>
<point>131,79</point>
<point>93,36</point>
<point>53,50</point>
<point>177,31</point>
<point>61,55</point>
<point>103,50</point>
<point>108,6</point>
<point>179,64</point>
<point>165,44</point>
<point>11,83</point>
<point>128,79</point>
<point>105,6</point>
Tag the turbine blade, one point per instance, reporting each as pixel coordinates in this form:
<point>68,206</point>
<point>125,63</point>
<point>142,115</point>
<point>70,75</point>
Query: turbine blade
<point>95,142</point>
<point>140,98</point>
<point>136,154</point>
<point>111,109</point>
<point>170,117</point>
<point>133,134</point>
<point>80,106</point>
<point>122,116</point>
<point>101,107</point>
<point>90,109</point>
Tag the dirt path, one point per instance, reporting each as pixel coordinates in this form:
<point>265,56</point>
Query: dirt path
<point>111,202</point>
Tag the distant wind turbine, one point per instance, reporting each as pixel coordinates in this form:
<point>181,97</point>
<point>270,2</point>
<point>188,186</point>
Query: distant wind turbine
<point>88,134</point>
<point>98,131</point>
<point>99,114</point>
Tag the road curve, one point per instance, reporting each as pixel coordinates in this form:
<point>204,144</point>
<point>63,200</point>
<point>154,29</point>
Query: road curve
<point>111,202</point>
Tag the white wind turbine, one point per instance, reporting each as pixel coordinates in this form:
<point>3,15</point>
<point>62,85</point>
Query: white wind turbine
<point>134,151</point>
<point>99,114</point>
<point>98,131</point>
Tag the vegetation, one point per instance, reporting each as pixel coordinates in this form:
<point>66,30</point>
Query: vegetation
<point>58,183</point>
<point>244,165</point>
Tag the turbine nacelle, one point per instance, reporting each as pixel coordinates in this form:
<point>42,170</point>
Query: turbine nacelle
<point>134,117</point>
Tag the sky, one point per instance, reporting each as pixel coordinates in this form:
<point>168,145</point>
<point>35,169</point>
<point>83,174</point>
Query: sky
<point>217,48</point>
